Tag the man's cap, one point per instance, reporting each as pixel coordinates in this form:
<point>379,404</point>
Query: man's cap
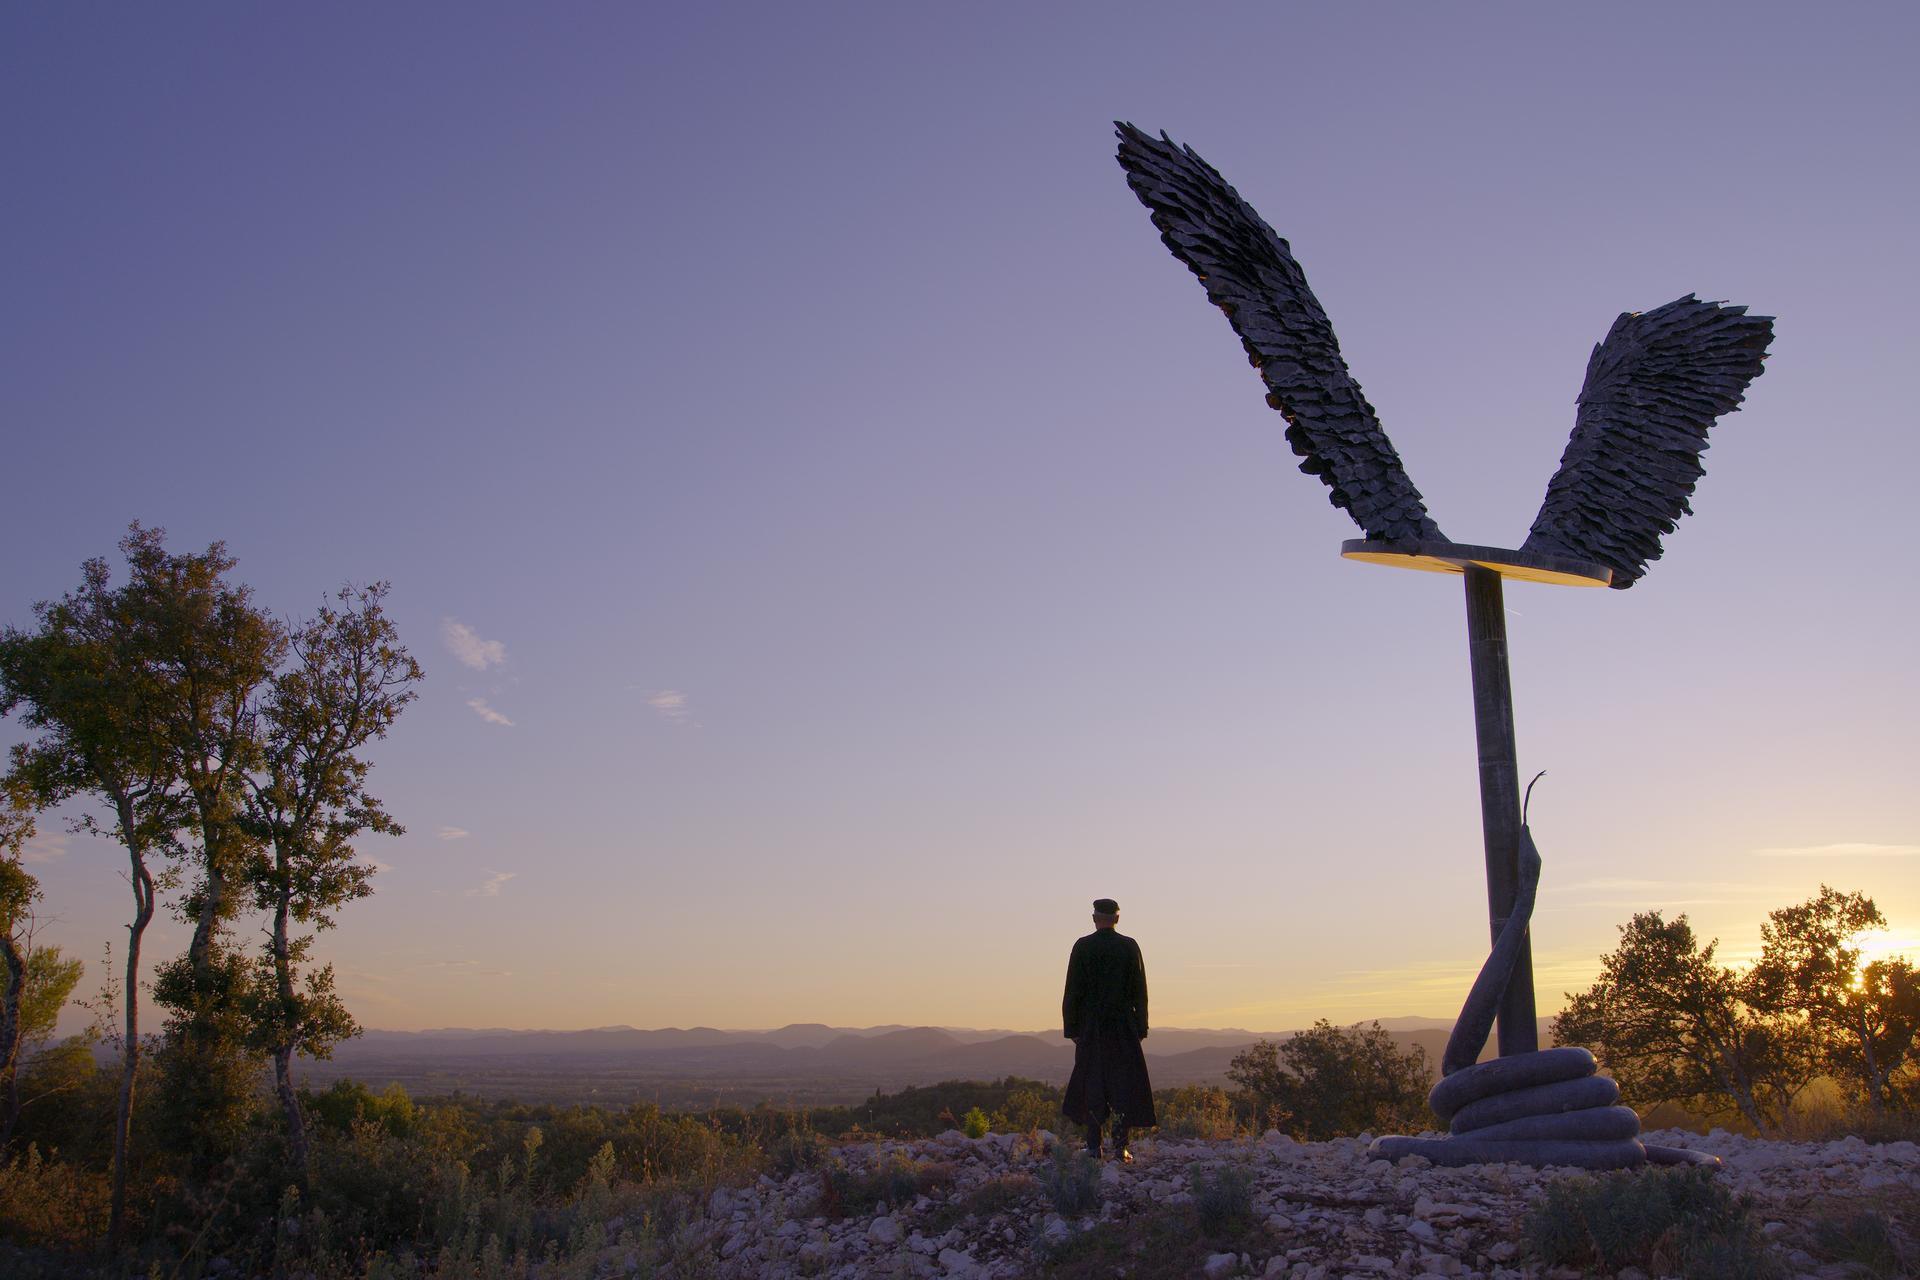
<point>1106,907</point>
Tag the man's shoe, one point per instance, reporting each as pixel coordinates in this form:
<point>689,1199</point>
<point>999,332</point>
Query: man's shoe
<point>1125,1156</point>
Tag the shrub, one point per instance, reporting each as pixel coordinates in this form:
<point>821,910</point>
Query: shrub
<point>1031,1107</point>
<point>974,1123</point>
<point>1668,1220</point>
<point>995,1195</point>
<point>1331,1081</point>
<point>51,1202</point>
<point>892,1181</point>
<point>1862,1239</point>
<point>1196,1111</point>
<point>1071,1180</point>
<point>796,1150</point>
<point>1223,1197</point>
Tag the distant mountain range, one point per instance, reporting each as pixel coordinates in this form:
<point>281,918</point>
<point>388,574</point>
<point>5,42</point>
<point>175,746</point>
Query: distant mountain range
<point>809,1063</point>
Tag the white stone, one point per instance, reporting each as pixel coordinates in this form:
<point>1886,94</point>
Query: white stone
<point>957,1263</point>
<point>1220,1264</point>
<point>885,1230</point>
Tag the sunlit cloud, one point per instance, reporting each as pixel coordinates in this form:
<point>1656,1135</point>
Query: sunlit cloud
<point>465,644</point>
<point>43,849</point>
<point>1618,884</point>
<point>490,887</point>
<point>487,713</point>
<point>1887,944</point>
<point>670,703</point>
<point>1843,850</point>
<point>452,833</point>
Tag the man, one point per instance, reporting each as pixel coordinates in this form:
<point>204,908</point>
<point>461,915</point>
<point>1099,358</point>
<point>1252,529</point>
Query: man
<point>1105,1012</point>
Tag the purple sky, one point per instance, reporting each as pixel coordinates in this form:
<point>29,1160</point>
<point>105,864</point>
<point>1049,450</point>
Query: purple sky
<point>866,546</point>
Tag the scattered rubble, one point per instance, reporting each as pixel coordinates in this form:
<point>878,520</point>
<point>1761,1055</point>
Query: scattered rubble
<point>1329,1211</point>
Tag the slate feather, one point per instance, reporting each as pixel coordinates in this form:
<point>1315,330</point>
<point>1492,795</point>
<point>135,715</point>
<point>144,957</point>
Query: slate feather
<point>1653,388</point>
<point>1250,274</point>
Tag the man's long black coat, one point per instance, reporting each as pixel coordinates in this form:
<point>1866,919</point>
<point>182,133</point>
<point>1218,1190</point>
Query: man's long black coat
<point>1105,1015</point>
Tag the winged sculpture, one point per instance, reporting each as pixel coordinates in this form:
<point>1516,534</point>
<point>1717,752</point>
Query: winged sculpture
<point>1653,387</point>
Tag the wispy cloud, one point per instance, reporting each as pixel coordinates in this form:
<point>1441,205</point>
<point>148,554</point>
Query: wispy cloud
<point>452,833</point>
<point>487,713</point>
<point>670,703</point>
<point>45,848</point>
<point>490,887</point>
<point>465,644</point>
<point>1844,850</point>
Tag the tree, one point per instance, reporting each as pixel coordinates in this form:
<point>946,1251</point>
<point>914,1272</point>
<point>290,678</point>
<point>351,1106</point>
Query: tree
<point>217,652</point>
<point>1672,1025</point>
<point>1333,1080</point>
<point>92,683</point>
<point>348,681</point>
<point>34,981</point>
<point>1864,1017</point>
<point>18,892</point>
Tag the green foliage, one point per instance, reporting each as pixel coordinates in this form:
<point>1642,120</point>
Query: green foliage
<point>795,1150</point>
<point>1331,1081</point>
<point>1673,1025</point>
<point>1865,1018</point>
<point>1196,1111</point>
<point>975,1123</point>
<point>924,1111</point>
<point>209,1077</point>
<point>891,1180</point>
<point>1663,1220</point>
<point>1030,1107</point>
<point>1166,1242</point>
<point>1071,1181</point>
<point>348,1101</point>
<point>50,1202</point>
<point>1223,1197</point>
<point>51,978</point>
<point>996,1195</point>
<point>1864,1240</point>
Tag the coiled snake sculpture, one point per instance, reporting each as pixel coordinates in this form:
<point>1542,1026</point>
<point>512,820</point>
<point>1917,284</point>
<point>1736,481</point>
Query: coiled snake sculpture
<point>1546,1107</point>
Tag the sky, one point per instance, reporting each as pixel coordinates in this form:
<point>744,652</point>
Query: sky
<point>842,541</point>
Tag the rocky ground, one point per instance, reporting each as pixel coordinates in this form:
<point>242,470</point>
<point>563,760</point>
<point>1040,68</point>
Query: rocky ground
<point>981,1211</point>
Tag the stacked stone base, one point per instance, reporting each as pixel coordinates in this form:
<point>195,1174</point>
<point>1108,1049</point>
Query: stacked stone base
<point>1541,1108</point>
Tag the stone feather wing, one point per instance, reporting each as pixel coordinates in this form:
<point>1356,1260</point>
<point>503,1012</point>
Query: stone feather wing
<point>1250,274</point>
<point>1653,388</point>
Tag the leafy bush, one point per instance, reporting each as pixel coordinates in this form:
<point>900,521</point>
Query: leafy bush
<point>1031,1107</point>
<point>1223,1197</point>
<point>1333,1081</point>
<point>795,1150</point>
<point>1071,1180</point>
<point>923,1111</point>
<point>1862,1239</point>
<point>51,1202</point>
<point>974,1124</point>
<point>1196,1111</point>
<point>891,1181</point>
<point>995,1195</point>
<point>1661,1220</point>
